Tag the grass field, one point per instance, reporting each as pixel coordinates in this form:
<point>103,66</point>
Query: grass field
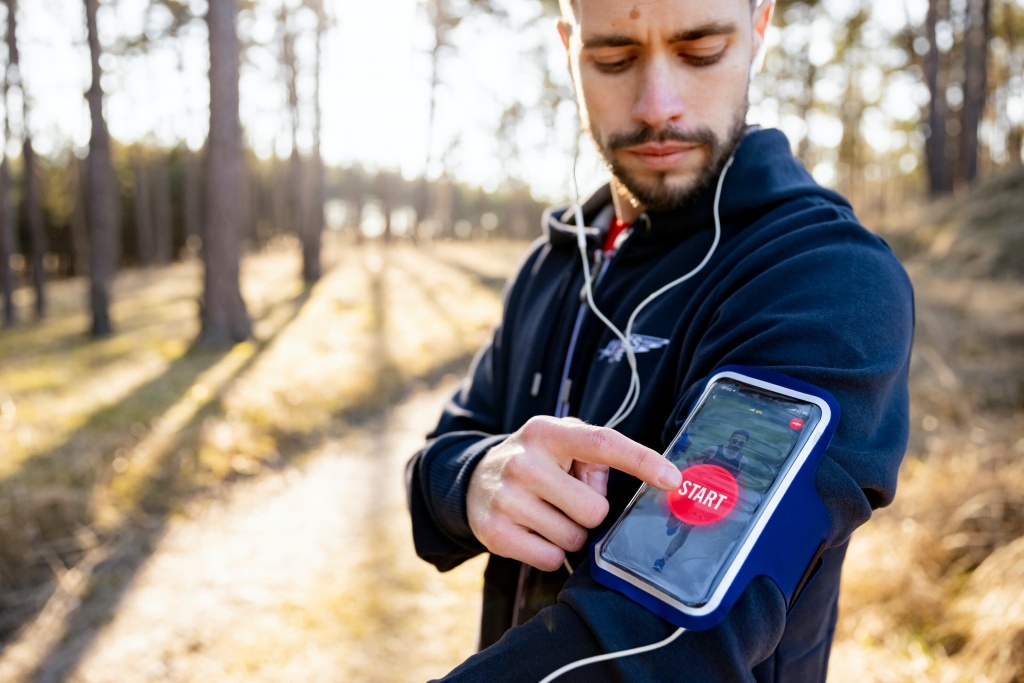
<point>203,515</point>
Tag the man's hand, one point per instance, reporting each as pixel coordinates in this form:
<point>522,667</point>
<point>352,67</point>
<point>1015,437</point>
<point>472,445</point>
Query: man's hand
<point>527,498</point>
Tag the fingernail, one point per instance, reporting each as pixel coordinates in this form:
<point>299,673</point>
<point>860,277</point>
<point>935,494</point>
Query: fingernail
<point>669,477</point>
<point>599,482</point>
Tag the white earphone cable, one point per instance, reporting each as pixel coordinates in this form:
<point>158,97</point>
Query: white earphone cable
<point>633,393</point>
<point>611,655</point>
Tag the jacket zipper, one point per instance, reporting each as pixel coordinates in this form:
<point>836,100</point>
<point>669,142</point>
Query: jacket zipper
<point>565,387</point>
<point>562,406</point>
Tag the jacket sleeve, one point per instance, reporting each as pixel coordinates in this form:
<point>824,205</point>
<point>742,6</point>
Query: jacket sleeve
<point>838,315</point>
<point>437,477</point>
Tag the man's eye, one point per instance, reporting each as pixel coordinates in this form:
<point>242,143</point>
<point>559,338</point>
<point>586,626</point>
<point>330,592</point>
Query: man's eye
<point>611,67</point>
<point>704,52</point>
<point>701,60</point>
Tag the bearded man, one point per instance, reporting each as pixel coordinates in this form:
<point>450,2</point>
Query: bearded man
<point>710,246</point>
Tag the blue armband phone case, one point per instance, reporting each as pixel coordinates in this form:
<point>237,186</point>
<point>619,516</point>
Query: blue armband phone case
<point>747,505</point>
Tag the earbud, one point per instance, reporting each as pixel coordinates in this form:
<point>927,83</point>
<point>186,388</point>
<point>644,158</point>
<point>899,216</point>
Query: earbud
<point>758,61</point>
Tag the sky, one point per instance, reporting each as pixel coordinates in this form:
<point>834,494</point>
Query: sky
<point>375,92</point>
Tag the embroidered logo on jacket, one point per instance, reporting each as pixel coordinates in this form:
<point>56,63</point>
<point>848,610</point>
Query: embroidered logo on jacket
<point>641,343</point>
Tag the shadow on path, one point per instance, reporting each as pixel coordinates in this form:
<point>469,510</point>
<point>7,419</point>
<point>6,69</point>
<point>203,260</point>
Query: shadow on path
<point>491,282</point>
<point>128,545</point>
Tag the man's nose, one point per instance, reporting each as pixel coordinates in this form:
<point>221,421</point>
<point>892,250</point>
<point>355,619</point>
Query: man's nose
<point>658,102</point>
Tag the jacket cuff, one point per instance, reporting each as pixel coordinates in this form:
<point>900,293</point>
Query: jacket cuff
<point>449,484</point>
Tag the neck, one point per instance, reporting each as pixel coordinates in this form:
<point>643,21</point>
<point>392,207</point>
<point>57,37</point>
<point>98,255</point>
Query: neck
<point>627,209</point>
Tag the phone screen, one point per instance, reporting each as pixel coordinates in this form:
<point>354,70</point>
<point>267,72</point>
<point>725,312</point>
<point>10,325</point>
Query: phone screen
<point>733,452</point>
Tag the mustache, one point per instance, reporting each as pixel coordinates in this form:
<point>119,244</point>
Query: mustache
<point>697,136</point>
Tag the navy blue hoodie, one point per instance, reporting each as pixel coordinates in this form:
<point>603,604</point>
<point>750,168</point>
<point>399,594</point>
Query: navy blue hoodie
<point>797,286</point>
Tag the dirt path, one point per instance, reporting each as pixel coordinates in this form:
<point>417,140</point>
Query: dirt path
<point>305,572</point>
<point>302,575</point>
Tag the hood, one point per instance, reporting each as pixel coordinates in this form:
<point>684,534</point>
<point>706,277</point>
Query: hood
<point>764,174</point>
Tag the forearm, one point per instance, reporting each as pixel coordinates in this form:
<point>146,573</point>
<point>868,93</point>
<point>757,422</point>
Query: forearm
<point>590,620</point>
<point>437,479</point>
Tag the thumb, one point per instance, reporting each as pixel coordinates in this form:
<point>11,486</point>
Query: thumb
<point>593,475</point>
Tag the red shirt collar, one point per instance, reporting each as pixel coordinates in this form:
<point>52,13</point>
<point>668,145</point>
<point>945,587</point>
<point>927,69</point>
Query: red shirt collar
<point>614,230</point>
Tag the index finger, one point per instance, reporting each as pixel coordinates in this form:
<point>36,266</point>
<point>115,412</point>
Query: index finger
<point>570,441</point>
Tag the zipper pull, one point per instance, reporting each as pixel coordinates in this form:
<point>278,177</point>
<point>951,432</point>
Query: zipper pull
<point>563,407</point>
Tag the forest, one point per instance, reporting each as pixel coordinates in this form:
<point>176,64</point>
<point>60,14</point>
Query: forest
<point>210,207</point>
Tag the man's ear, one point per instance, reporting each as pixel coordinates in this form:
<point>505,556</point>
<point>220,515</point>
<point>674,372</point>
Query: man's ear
<point>564,32</point>
<point>762,19</point>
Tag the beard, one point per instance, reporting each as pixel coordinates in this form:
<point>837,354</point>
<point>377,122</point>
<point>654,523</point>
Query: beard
<point>659,194</point>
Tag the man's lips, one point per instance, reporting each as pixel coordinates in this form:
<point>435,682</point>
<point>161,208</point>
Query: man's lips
<point>661,155</point>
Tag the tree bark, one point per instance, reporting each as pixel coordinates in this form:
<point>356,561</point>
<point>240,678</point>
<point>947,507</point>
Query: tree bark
<point>36,222</point>
<point>193,199</point>
<point>1015,135</point>
<point>280,206</point>
<point>978,31</point>
<point>313,225</point>
<point>163,221</point>
<point>103,201</point>
<point>143,213</point>
<point>940,181</point>
<point>8,242</point>
<point>78,221</point>
<point>225,320</point>
<point>30,180</point>
<point>8,230</point>
<point>289,73</point>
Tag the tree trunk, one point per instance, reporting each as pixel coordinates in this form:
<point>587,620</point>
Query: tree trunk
<point>78,221</point>
<point>143,213</point>
<point>279,191</point>
<point>36,222</point>
<point>8,229</point>
<point>290,74</point>
<point>193,199</point>
<point>313,225</point>
<point>1015,134</point>
<point>940,181</point>
<point>806,106</point>
<point>163,221</point>
<point>435,13</point>
<point>248,216</point>
<point>8,241</point>
<point>1014,142</point>
<point>103,206</point>
<point>33,205</point>
<point>975,83</point>
<point>225,320</point>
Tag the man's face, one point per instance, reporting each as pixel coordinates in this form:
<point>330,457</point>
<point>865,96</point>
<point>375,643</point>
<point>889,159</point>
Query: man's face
<point>662,87</point>
<point>736,443</point>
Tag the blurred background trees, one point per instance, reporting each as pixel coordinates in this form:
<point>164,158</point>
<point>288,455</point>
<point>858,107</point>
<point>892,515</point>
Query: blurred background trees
<point>889,102</point>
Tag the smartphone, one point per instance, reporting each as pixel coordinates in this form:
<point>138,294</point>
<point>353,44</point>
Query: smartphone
<point>746,506</point>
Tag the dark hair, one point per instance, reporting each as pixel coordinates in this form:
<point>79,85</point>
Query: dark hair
<point>571,4</point>
<point>741,432</point>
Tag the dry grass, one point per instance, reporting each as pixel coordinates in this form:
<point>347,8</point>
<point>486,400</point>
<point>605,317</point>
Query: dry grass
<point>931,591</point>
<point>99,439</point>
<point>102,442</point>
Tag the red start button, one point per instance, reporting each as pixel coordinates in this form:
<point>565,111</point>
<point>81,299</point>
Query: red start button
<point>708,493</point>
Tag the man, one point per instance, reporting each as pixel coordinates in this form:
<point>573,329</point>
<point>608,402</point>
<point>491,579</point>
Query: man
<point>727,456</point>
<point>784,279</point>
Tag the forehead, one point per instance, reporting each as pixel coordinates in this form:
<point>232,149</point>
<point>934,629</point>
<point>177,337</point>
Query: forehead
<point>666,16</point>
